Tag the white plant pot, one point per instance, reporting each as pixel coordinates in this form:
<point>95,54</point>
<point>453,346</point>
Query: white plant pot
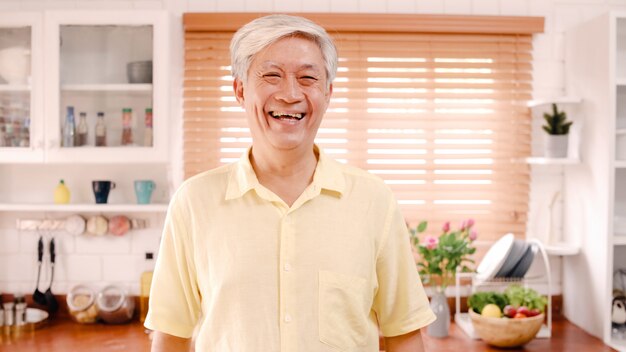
<point>556,146</point>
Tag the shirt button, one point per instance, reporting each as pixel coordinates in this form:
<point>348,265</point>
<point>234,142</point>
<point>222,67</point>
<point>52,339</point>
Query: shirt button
<point>287,318</point>
<point>287,267</point>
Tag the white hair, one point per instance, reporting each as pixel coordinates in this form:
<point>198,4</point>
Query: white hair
<point>261,32</point>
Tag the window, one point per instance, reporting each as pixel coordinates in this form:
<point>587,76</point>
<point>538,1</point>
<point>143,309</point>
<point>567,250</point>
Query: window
<point>441,117</point>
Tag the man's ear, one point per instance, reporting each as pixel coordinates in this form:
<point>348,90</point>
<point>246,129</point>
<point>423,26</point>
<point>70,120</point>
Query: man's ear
<point>238,88</point>
<point>329,93</point>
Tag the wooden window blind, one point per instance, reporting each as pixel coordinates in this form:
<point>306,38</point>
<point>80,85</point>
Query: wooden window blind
<point>441,117</point>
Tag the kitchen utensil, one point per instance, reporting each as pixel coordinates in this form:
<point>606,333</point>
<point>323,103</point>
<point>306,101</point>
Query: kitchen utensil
<point>517,252</point>
<point>51,301</point>
<point>75,225</point>
<point>101,190</point>
<point>119,225</point>
<point>524,263</point>
<point>495,257</point>
<point>97,225</point>
<point>139,71</point>
<point>143,190</point>
<point>38,296</point>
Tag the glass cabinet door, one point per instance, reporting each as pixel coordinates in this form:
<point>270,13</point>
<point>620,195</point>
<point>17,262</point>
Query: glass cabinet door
<point>19,98</point>
<point>106,89</point>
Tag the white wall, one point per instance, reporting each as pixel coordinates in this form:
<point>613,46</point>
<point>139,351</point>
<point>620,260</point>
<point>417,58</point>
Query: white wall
<point>98,261</point>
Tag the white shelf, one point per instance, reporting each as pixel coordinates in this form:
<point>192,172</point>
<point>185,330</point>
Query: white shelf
<point>559,100</point>
<point>14,88</point>
<point>619,240</point>
<point>107,88</point>
<point>552,161</point>
<point>620,81</point>
<point>87,208</point>
<point>562,249</point>
<point>620,131</point>
<point>620,163</point>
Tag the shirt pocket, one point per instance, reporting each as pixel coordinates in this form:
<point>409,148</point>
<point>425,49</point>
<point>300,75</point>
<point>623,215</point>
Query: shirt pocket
<point>342,315</point>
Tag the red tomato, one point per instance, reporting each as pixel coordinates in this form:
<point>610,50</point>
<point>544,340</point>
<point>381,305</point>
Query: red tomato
<point>510,311</point>
<point>524,310</point>
<point>534,312</point>
<point>519,316</point>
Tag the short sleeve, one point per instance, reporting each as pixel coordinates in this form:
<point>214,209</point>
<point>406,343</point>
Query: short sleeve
<point>174,296</point>
<point>400,303</point>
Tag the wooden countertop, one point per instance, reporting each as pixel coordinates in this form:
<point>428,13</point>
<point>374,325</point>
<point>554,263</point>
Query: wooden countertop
<point>65,335</point>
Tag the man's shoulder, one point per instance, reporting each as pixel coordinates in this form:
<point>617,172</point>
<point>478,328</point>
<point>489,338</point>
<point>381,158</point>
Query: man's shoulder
<point>360,177</point>
<point>217,177</point>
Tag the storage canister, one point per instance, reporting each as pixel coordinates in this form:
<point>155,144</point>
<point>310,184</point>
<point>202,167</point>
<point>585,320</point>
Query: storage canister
<point>81,303</point>
<point>115,306</point>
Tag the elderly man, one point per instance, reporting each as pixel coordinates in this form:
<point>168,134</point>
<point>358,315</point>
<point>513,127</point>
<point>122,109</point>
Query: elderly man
<point>286,249</point>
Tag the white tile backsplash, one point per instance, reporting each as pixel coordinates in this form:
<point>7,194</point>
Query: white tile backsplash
<point>201,5</point>
<point>79,268</point>
<point>107,244</point>
<point>316,6</point>
<point>260,5</point>
<point>9,241</point>
<point>401,6</point>
<point>454,7</point>
<point>288,5</point>
<point>514,7</point>
<point>344,6</point>
<point>486,7</point>
<point>430,6</point>
<point>372,6</point>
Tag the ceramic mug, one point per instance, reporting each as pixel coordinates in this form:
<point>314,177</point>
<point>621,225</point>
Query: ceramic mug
<point>143,190</point>
<point>101,190</point>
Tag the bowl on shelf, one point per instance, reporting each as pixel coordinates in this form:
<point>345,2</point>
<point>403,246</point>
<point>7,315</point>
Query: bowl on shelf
<point>15,64</point>
<point>504,332</point>
<point>139,72</point>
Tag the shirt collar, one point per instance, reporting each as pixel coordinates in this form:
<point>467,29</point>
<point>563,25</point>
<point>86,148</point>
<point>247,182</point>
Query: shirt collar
<point>328,175</point>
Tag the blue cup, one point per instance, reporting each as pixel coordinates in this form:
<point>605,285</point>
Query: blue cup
<point>143,190</point>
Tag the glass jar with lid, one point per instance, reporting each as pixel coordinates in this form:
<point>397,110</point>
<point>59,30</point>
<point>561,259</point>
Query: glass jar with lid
<point>81,304</point>
<point>115,306</point>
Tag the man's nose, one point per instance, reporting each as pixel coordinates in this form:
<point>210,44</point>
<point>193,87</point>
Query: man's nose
<point>290,90</point>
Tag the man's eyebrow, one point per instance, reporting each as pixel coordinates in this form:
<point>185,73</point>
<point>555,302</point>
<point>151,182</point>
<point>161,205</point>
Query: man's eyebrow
<point>270,64</point>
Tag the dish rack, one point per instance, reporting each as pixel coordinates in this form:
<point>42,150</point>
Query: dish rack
<point>463,320</point>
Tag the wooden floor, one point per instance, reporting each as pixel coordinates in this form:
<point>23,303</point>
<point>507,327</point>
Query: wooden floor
<point>65,335</point>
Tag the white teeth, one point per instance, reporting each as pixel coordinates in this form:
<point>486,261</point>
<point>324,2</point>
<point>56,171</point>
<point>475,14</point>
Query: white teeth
<point>279,114</point>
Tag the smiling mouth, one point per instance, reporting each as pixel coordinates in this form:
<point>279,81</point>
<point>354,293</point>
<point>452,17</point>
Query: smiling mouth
<point>287,116</point>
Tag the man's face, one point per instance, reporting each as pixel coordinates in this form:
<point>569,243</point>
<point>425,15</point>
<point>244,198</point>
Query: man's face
<point>286,94</point>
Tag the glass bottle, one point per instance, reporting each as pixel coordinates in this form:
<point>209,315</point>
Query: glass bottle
<point>101,131</point>
<point>81,130</point>
<point>144,286</point>
<point>69,130</point>
<point>127,134</point>
<point>147,137</point>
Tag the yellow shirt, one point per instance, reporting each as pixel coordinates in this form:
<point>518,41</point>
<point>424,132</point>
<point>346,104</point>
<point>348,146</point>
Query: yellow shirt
<point>257,275</point>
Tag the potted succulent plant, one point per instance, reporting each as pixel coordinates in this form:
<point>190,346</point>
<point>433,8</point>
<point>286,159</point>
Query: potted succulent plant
<point>557,128</point>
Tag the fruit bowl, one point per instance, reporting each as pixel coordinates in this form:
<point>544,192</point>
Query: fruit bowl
<point>504,332</point>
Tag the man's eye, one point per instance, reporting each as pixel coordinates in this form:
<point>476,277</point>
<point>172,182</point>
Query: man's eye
<point>309,78</point>
<point>270,75</point>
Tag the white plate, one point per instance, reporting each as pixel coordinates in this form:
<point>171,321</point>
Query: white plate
<point>495,257</point>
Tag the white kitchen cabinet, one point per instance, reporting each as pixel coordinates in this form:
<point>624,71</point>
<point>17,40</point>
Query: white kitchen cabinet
<point>596,71</point>
<point>82,58</point>
<point>21,87</point>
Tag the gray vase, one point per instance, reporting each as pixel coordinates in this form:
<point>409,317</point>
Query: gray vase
<point>439,306</point>
<point>556,146</point>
